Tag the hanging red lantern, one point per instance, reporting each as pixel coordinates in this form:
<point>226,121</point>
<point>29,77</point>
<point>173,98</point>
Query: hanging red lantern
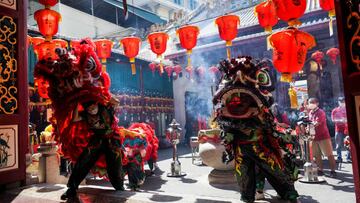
<point>42,87</point>
<point>177,70</point>
<point>200,71</point>
<point>228,28</point>
<point>290,49</point>
<point>48,3</point>
<point>48,22</point>
<point>37,40</point>
<point>152,67</point>
<point>333,53</point>
<point>46,50</point>
<point>158,42</point>
<point>188,38</point>
<point>214,70</point>
<point>290,10</point>
<point>169,70</point>
<point>103,50</point>
<point>60,43</point>
<point>328,5</point>
<point>317,56</point>
<point>28,41</point>
<point>74,43</point>
<point>266,14</point>
<point>131,49</point>
<point>189,70</point>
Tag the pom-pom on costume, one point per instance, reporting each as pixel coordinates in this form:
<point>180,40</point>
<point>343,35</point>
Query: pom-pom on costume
<point>85,128</point>
<point>249,133</point>
<point>141,145</point>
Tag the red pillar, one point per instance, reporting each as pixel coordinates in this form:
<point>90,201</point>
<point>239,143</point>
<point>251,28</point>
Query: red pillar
<point>348,23</point>
<point>13,91</point>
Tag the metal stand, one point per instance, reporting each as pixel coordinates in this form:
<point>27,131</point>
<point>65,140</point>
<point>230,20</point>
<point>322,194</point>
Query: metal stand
<point>310,167</point>
<point>173,134</point>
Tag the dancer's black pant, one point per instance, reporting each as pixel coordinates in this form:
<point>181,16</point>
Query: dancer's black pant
<point>248,156</point>
<point>111,149</point>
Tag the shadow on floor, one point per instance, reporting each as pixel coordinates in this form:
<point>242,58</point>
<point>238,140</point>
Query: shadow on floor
<point>164,198</point>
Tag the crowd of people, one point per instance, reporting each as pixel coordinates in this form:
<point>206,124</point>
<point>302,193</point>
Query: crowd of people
<point>322,144</point>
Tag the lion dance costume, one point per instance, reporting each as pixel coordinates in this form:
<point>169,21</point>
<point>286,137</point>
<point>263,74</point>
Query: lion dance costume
<point>249,132</point>
<point>86,128</point>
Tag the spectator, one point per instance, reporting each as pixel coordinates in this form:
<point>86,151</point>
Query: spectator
<point>322,142</point>
<point>338,116</point>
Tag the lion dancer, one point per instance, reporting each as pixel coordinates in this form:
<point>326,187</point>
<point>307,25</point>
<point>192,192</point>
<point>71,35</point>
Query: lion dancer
<point>242,105</point>
<point>86,127</point>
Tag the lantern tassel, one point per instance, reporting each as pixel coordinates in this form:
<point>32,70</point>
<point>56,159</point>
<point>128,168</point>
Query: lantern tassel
<point>268,43</point>
<point>189,60</point>
<point>133,69</point>
<point>228,52</point>
<point>294,23</point>
<point>161,68</point>
<point>293,98</point>
<point>104,67</point>
<point>331,28</point>
<point>286,77</point>
<point>268,29</point>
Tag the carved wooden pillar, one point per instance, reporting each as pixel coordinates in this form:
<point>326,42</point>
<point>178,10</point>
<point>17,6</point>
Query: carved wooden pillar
<point>13,90</point>
<point>348,23</point>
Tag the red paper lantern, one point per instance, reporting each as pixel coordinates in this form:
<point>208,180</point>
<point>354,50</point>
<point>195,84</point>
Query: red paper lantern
<point>48,22</point>
<point>158,42</point>
<point>290,49</point>
<point>189,70</point>
<point>328,5</point>
<point>177,70</point>
<point>46,50</point>
<point>37,40</point>
<point>103,48</point>
<point>333,53</point>
<point>48,3</point>
<point>60,43</point>
<point>266,14</point>
<point>169,70</point>
<point>188,38</point>
<point>228,29</point>
<point>74,43</point>
<point>152,67</point>
<point>317,56</point>
<point>42,87</point>
<point>290,10</point>
<point>131,49</point>
<point>201,71</point>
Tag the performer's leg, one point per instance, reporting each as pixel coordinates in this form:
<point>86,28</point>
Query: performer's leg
<point>85,162</point>
<point>114,168</point>
<point>260,184</point>
<point>245,173</point>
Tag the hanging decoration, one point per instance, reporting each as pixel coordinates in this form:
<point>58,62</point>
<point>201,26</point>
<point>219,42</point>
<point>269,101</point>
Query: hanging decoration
<point>177,70</point>
<point>228,28</point>
<point>333,53</point>
<point>266,14</point>
<point>188,38</point>
<point>290,49</point>
<point>48,22</point>
<point>200,71</point>
<point>189,70</point>
<point>48,3</point>
<point>214,71</point>
<point>60,43</point>
<point>169,70</point>
<point>42,87</point>
<point>158,43</point>
<point>28,41</point>
<point>293,98</point>
<point>74,43</point>
<point>131,47</point>
<point>317,56</point>
<point>329,5</point>
<point>152,67</point>
<point>103,50</point>
<point>290,10</point>
<point>46,50</point>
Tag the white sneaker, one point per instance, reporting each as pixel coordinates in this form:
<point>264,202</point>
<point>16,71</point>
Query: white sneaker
<point>259,196</point>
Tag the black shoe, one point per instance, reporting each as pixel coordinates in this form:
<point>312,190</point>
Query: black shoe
<point>332,174</point>
<point>69,194</point>
<point>320,173</point>
<point>339,160</point>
